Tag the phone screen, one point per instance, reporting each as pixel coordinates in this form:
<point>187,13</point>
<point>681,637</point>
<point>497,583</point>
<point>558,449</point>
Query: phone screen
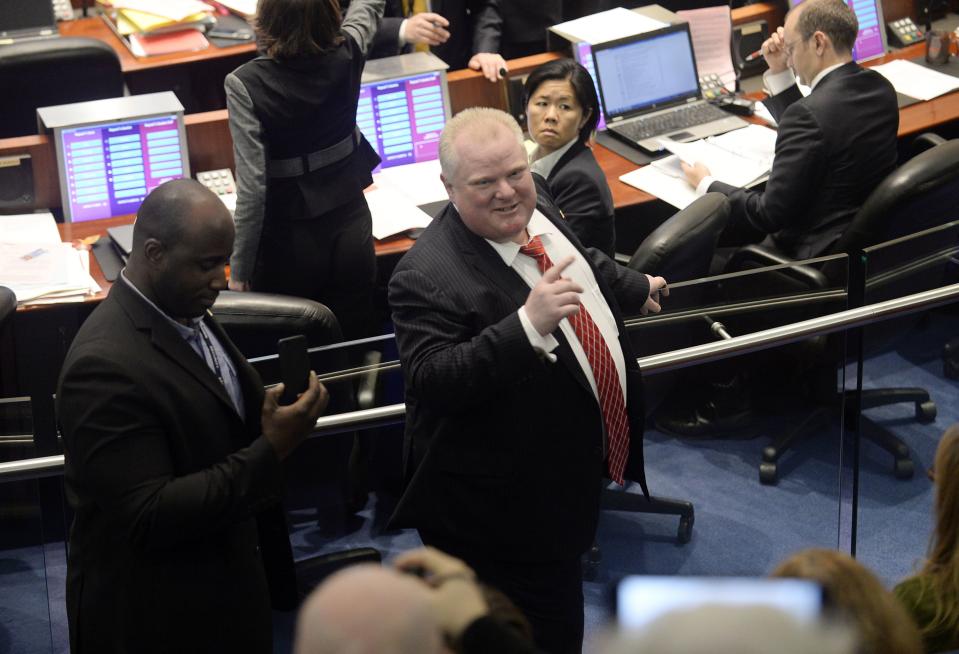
<point>642,599</point>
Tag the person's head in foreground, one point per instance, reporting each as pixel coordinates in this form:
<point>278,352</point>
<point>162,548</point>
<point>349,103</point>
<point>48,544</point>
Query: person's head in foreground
<point>854,595</point>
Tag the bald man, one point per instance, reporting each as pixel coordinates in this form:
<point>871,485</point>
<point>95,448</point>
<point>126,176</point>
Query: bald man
<point>173,451</point>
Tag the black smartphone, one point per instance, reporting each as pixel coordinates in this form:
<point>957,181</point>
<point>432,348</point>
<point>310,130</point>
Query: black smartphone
<point>294,367</point>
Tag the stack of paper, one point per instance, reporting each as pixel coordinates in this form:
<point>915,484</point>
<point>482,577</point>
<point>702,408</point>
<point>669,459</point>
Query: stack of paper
<point>37,267</point>
<point>606,26</point>
<point>711,29</point>
<point>160,26</point>
<point>742,157</point>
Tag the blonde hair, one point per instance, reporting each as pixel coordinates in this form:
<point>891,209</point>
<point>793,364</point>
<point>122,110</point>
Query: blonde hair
<point>467,123</point>
<point>881,622</point>
<point>941,570</point>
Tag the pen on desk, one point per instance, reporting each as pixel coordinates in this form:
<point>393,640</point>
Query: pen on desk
<point>753,56</point>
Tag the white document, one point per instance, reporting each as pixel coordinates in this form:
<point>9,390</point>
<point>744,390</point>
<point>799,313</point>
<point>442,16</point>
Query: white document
<point>742,157</point>
<point>609,25</point>
<point>917,81</point>
<point>419,182</point>
<point>711,29</point>
<point>29,228</point>
<point>393,212</point>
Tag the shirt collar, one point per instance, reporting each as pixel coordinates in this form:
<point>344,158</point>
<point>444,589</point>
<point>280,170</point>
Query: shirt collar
<point>545,164</point>
<point>183,330</point>
<point>539,225</point>
<point>823,73</point>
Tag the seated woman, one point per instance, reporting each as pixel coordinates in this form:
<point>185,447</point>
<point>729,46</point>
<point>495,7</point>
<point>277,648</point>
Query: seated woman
<point>932,596</point>
<point>562,111</point>
<point>855,596</point>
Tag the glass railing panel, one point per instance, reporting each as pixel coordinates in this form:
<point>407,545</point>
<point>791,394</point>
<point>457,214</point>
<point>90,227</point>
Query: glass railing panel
<point>909,389</point>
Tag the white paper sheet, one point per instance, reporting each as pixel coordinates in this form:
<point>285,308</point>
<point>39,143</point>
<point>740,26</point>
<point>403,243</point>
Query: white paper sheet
<point>33,270</point>
<point>392,212</point>
<point>917,81</point>
<point>711,29</point>
<point>29,228</point>
<point>674,190</point>
<point>419,182</point>
<point>608,26</point>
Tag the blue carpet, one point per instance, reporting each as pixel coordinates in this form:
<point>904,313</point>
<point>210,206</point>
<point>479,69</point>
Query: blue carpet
<point>741,528</point>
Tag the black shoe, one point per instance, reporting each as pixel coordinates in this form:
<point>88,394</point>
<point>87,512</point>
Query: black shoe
<point>708,420</point>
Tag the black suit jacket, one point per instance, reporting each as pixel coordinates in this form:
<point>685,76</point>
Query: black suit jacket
<point>832,149</point>
<point>474,27</point>
<point>505,448</point>
<point>172,492</point>
<point>579,188</point>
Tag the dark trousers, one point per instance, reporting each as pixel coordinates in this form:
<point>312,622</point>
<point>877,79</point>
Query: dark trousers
<point>549,593</point>
<point>329,259</point>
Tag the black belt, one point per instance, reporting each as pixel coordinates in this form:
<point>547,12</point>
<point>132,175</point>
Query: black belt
<point>307,163</point>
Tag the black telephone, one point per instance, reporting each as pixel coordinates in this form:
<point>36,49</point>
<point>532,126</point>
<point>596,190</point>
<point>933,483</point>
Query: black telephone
<point>903,32</point>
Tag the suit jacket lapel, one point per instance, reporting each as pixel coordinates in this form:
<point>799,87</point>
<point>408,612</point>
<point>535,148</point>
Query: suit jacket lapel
<point>168,341</point>
<point>478,253</point>
<point>251,385</point>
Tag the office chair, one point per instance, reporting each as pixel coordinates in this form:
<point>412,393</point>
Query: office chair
<point>51,72</point>
<point>254,322</point>
<point>921,194</point>
<point>680,249</point>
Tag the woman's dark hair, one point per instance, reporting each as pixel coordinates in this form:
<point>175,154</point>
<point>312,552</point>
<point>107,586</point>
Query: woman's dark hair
<point>579,79</point>
<point>286,29</point>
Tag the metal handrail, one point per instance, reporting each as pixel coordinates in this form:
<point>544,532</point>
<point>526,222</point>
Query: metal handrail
<point>657,363</point>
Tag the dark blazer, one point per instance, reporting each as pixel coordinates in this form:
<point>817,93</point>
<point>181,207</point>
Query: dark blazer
<point>832,149</point>
<point>170,487</point>
<point>474,27</point>
<point>579,188</point>
<point>505,448</point>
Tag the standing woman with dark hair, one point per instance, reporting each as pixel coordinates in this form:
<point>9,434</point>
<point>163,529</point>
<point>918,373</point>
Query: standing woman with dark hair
<point>561,112</point>
<point>302,223</point>
<point>932,596</point>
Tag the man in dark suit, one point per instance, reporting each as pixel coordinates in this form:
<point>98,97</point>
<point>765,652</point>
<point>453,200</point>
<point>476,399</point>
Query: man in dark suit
<point>522,390</point>
<point>173,452</point>
<point>832,148</point>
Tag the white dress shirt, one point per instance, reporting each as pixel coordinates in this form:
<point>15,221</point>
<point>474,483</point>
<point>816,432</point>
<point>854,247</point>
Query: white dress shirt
<point>558,247</point>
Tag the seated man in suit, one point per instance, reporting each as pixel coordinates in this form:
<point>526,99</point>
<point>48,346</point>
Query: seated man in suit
<point>173,452</point>
<point>522,390</point>
<point>832,148</point>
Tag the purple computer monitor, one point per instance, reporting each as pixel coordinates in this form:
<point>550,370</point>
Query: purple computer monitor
<point>871,40</point>
<point>402,117</point>
<point>109,168</point>
<point>584,55</point>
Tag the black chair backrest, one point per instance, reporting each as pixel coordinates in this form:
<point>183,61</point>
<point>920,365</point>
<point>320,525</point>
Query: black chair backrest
<point>8,305</point>
<point>51,72</point>
<point>921,193</point>
<point>682,247</point>
<point>255,321</point>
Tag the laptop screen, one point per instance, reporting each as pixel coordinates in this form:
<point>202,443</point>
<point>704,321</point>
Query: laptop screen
<point>402,118</point>
<point>646,71</point>
<point>871,40</point>
<point>26,17</point>
<point>108,169</point>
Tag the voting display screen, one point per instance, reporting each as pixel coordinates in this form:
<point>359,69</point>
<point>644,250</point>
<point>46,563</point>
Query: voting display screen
<point>108,169</point>
<point>402,118</point>
<point>871,40</point>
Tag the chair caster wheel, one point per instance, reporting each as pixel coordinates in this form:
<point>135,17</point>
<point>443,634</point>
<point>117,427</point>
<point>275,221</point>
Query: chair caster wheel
<point>926,412</point>
<point>685,530</point>
<point>767,473</point>
<point>903,468</point>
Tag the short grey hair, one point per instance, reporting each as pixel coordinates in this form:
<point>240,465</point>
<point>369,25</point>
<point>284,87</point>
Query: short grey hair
<point>833,18</point>
<point>480,119</point>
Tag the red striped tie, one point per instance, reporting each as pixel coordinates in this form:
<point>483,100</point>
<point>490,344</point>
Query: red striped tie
<point>604,372</point>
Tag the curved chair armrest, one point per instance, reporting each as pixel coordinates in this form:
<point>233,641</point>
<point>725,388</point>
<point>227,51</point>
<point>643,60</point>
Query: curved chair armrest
<point>792,277</point>
<point>923,142</point>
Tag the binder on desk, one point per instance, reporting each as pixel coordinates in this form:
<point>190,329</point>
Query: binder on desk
<point>150,28</point>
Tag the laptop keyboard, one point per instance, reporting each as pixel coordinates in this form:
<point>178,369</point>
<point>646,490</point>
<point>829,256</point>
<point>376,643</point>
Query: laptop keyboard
<point>638,129</point>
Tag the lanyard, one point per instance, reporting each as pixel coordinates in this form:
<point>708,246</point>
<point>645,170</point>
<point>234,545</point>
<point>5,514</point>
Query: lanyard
<point>209,347</point>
